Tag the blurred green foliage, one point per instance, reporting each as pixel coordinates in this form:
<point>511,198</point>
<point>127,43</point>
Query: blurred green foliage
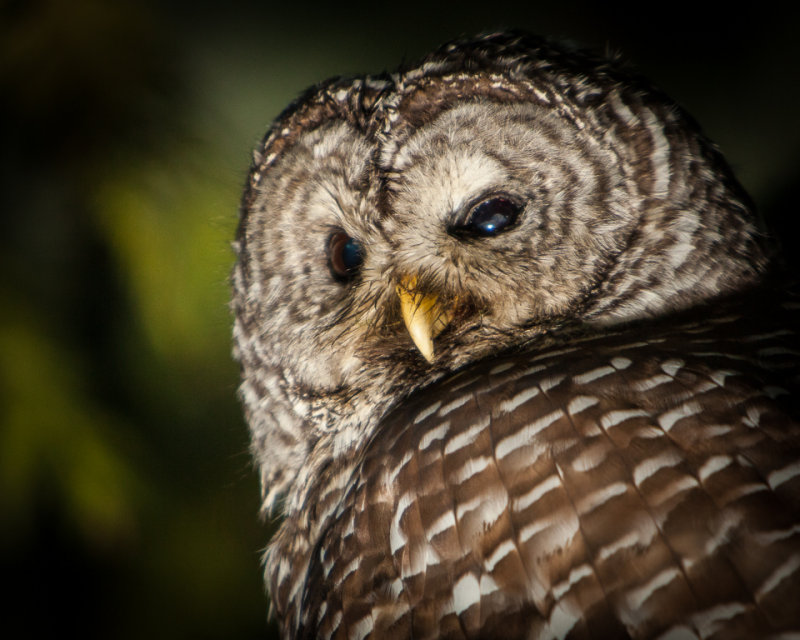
<point>127,496</point>
<point>129,506</point>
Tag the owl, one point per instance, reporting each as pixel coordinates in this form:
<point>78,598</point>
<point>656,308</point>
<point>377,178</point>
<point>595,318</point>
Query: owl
<point>518,360</point>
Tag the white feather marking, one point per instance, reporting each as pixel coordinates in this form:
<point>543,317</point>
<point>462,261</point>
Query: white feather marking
<point>672,366</point>
<point>743,490</point>
<point>590,457</point>
<point>613,418</point>
<point>444,522</point>
<point>360,629</point>
<point>642,535</point>
<point>752,416</point>
<point>552,530</point>
<point>594,374</point>
<point>622,110</point>
<point>426,412</point>
<point>552,381</point>
<point>650,466</point>
<point>435,434</point>
<point>461,440</point>
<point>600,497</point>
<point>501,551</point>
<point>463,381</point>
<point>350,568</point>
<point>455,404</point>
<point>491,506</point>
<point>668,419</point>
<point>432,557</point>
<point>709,431</point>
<point>659,157</point>
<point>350,527</point>
<point>544,487</point>
<point>521,398</point>
<point>708,621</point>
<point>503,366</point>
<point>575,576</point>
<point>466,593</point>
<point>550,355</point>
<point>712,466</point>
<point>541,95</point>
<point>337,620</point>
<point>579,403</point>
<point>562,620</point>
<point>684,246</point>
<point>488,585</point>
<point>770,537</point>
<point>525,435</point>
<point>399,467</point>
<point>722,532</point>
<point>684,483</point>
<point>397,538</point>
<point>469,505</point>
<point>621,363</point>
<point>777,478</point>
<point>534,369</point>
<point>637,597</point>
<point>470,468</point>
<point>396,588</point>
<point>766,336</point>
<point>652,382</point>
<point>625,542</point>
<point>648,432</point>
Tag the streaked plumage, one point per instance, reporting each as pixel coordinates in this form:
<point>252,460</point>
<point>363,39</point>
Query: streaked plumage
<point>603,440</point>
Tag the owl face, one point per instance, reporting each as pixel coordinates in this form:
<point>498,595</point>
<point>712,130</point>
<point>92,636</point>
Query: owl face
<point>319,190</point>
<point>564,202</point>
<point>396,230</point>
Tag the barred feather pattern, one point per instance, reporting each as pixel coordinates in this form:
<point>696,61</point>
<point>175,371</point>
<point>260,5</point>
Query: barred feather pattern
<point>606,441</point>
<point>644,483</point>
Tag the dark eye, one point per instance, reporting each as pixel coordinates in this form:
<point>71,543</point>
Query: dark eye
<point>490,217</point>
<point>344,256</point>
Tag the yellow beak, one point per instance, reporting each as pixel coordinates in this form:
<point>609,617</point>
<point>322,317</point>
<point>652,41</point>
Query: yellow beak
<point>424,317</point>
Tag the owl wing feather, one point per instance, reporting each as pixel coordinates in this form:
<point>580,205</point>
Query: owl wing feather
<point>641,483</point>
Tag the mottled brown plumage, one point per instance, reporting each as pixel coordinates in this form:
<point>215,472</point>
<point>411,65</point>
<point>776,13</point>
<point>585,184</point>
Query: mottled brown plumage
<point>602,438</point>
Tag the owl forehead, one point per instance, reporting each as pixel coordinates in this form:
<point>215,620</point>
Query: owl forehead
<point>447,180</point>
<point>323,180</point>
<point>480,147</point>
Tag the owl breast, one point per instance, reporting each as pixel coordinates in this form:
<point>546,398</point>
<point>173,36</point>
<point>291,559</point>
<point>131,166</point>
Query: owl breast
<point>639,484</point>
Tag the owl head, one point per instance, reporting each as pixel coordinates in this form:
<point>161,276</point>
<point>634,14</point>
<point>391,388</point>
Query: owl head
<point>502,191</point>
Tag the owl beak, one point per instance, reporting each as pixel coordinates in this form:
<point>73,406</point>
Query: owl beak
<point>424,317</point>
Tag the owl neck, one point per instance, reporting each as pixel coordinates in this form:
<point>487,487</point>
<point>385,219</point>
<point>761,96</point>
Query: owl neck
<point>705,247</point>
<point>303,432</point>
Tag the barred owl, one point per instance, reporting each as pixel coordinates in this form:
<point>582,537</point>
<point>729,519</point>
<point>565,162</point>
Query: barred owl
<point>516,359</point>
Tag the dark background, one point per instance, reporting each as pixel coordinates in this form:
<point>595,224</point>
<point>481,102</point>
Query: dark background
<point>128,505</point>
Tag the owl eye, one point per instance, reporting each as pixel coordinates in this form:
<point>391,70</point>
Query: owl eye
<point>345,256</point>
<point>490,217</point>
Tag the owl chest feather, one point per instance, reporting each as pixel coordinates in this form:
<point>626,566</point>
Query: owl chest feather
<point>628,485</point>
